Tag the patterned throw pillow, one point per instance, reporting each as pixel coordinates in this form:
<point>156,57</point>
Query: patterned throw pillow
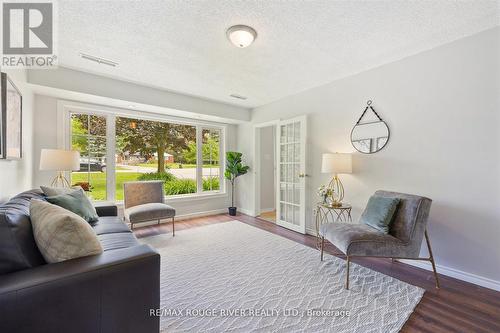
<point>60,234</point>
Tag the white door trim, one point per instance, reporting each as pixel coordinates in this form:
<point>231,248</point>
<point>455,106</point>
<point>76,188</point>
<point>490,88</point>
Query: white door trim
<point>256,151</point>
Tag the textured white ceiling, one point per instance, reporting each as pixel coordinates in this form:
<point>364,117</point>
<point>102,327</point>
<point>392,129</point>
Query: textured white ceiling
<point>181,45</point>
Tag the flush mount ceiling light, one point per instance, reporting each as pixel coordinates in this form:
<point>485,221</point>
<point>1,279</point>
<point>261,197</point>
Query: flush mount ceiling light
<point>241,35</point>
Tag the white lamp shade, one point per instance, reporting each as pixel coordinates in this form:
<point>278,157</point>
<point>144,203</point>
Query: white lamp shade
<point>336,163</point>
<point>59,160</point>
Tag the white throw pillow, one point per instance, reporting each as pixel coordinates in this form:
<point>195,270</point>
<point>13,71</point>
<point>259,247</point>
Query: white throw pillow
<point>60,234</point>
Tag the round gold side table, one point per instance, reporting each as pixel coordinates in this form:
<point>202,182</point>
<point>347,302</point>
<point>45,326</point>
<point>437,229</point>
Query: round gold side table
<point>326,213</point>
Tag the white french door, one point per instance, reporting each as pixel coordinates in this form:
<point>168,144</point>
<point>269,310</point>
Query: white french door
<point>291,159</point>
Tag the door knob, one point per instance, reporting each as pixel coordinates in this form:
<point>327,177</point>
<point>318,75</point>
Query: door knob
<point>302,175</point>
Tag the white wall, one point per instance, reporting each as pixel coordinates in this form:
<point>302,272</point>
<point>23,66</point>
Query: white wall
<point>45,132</point>
<point>267,169</point>
<point>442,107</point>
<point>15,176</point>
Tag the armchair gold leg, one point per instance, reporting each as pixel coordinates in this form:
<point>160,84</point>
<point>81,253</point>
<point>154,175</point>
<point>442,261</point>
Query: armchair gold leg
<point>173,226</point>
<point>322,247</point>
<point>347,274</point>
<point>431,258</point>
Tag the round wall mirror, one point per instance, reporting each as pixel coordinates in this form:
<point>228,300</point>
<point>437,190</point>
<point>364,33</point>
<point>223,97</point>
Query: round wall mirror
<point>371,133</point>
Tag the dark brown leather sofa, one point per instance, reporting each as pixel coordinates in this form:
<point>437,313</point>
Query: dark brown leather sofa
<point>110,292</point>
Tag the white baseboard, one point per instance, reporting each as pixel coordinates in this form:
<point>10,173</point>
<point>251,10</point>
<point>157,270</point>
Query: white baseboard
<point>457,274</point>
<point>247,212</point>
<point>200,214</point>
<point>311,231</point>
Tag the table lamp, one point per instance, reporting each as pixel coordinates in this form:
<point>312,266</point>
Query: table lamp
<point>336,164</point>
<point>60,160</point>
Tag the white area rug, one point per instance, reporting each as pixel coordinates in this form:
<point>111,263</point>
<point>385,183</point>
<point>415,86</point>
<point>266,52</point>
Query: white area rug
<point>232,277</point>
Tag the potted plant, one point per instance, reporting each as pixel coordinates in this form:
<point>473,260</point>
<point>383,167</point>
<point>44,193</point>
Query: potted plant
<point>234,169</point>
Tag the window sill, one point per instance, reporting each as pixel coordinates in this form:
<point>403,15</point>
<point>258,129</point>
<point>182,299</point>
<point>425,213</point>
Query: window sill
<point>174,198</point>
<point>195,196</point>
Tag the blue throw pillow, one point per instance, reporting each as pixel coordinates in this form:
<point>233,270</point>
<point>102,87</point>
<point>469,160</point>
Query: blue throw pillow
<point>379,212</point>
<point>76,202</point>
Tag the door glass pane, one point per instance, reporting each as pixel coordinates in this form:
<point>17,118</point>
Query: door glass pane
<point>290,156</point>
<point>296,132</point>
<point>289,131</point>
<point>283,192</point>
<point>296,218</point>
<point>296,194</point>
<point>283,153</point>
<point>283,134</point>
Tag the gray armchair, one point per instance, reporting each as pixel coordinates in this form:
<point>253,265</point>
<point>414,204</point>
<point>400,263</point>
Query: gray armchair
<point>144,201</point>
<point>404,240</point>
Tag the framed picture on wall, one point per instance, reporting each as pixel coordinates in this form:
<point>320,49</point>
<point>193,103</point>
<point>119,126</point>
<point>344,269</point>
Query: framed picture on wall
<point>11,119</point>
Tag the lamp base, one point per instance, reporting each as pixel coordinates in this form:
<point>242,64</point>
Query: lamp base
<point>337,191</point>
<point>60,180</point>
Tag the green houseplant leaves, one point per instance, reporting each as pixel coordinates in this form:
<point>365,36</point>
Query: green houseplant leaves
<point>234,169</point>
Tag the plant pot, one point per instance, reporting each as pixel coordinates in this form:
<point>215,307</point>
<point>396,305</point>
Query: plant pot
<point>232,211</point>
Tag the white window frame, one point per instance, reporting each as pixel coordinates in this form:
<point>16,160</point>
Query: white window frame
<point>65,108</point>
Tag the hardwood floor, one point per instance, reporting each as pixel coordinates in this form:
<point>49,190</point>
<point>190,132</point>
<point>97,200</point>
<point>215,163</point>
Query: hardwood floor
<point>268,216</point>
<point>457,307</point>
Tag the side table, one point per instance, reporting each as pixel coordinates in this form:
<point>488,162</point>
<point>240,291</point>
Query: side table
<point>326,213</point>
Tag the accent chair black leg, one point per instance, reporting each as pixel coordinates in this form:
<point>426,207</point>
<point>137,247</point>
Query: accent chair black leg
<point>173,226</point>
<point>431,258</point>
<point>347,274</point>
<point>322,247</point>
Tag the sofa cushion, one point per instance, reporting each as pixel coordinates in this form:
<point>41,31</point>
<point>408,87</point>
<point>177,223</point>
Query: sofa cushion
<point>109,225</point>
<point>119,240</point>
<point>18,249</point>
<point>76,202</point>
<point>148,212</point>
<point>60,234</point>
<point>362,240</point>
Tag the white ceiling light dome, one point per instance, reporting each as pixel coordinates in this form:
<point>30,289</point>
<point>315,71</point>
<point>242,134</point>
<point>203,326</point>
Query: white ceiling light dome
<point>241,35</point>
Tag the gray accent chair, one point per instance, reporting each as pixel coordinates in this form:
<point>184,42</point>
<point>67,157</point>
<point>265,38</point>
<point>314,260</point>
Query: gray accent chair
<point>407,229</point>
<point>144,201</point>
